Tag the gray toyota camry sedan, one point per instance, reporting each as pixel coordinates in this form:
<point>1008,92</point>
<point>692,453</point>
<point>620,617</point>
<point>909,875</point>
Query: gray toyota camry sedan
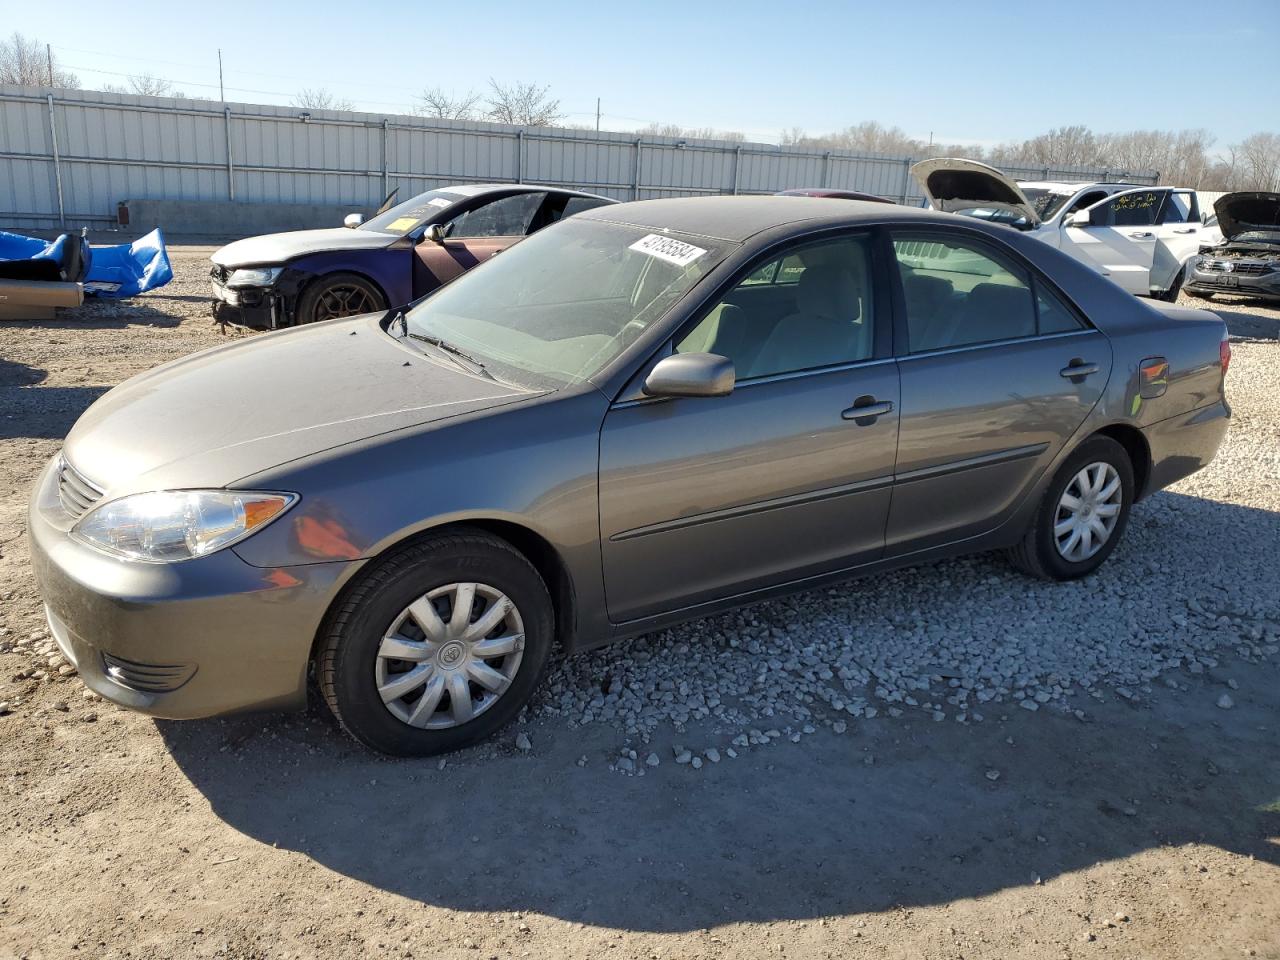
<point>646,413</point>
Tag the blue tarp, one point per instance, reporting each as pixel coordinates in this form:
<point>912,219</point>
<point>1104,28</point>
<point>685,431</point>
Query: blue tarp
<point>130,268</point>
<point>115,272</point>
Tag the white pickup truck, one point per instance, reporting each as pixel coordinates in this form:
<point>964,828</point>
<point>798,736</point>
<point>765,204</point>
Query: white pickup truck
<point>1141,237</point>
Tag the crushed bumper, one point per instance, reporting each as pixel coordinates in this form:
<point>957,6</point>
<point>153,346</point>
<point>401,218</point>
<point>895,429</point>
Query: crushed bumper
<point>194,639</point>
<point>257,308</point>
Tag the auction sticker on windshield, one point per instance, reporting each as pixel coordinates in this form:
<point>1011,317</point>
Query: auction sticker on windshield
<point>669,249</point>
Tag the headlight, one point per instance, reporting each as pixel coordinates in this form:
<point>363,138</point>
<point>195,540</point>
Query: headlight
<point>172,525</point>
<point>253,276</point>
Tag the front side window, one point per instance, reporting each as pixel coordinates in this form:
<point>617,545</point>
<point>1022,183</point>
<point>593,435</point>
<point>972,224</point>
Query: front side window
<point>804,310</point>
<point>506,217</point>
<point>959,293</point>
<point>557,307</point>
<point>413,213</point>
<point>1135,209</point>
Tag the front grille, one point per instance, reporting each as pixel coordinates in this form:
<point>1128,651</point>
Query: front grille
<point>76,493</point>
<point>147,677</point>
<point>1251,269</point>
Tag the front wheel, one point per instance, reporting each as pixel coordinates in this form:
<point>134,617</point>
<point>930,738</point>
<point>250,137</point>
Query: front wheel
<point>1082,515</point>
<point>338,295</point>
<point>438,646</point>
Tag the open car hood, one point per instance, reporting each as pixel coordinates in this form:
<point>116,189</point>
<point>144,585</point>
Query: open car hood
<point>1240,213</point>
<point>956,186</point>
<point>275,248</point>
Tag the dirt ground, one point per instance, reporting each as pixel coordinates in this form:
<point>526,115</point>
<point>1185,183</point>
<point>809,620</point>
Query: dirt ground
<point>1151,830</point>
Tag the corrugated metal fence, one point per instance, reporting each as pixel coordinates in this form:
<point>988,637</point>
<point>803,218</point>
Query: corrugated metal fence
<point>67,157</point>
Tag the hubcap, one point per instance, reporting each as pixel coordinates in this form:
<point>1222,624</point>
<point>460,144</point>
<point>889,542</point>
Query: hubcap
<point>450,655</point>
<point>1088,511</point>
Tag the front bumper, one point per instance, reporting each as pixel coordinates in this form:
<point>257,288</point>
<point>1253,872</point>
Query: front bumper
<point>259,308</point>
<point>1266,285</point>
<point>193,639</point>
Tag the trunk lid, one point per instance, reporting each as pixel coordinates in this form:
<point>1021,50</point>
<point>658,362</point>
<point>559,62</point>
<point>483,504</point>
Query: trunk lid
<point>962,186</point>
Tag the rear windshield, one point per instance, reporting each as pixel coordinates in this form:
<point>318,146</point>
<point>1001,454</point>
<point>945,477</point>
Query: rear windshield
<point>558,306</point>
<point>413,213</point>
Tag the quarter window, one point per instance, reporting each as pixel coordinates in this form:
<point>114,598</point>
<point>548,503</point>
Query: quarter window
<point>957,295</point>
<point>804,310</point>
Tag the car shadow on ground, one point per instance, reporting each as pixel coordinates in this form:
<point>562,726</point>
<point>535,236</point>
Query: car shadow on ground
<point>105,315</point>
<point>28,409</point>
<point>894,813</point>
<point>1249,325</point>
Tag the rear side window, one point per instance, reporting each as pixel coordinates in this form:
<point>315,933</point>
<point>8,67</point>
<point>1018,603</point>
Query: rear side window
<point>1180,208</point>
<point>960,294</point>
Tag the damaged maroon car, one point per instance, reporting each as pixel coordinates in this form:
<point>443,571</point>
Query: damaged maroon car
<point>403,253</point>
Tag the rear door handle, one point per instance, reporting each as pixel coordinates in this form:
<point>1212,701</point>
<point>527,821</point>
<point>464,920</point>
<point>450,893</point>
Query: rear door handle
<point>1142,235</point>
<point>865,410</point>
<point>1186,230</point>
<point>1077,368</point>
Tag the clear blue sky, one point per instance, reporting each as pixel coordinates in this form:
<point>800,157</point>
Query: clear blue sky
<point>965,71</point>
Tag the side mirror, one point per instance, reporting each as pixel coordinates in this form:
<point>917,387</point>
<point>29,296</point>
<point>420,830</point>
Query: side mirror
<point>691,375</point>
<point>435,233</point>
<point>352,220</point>
<point>1079,219</point>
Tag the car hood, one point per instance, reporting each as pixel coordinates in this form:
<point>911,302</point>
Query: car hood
<point>955,185</point>
<point>272,248</point>
<point>1240,213</point>
<point>217,416</point>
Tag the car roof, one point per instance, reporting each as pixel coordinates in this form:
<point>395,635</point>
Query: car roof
<point>476,189</point>
<point>1063,187</point>
<point>735,218</point>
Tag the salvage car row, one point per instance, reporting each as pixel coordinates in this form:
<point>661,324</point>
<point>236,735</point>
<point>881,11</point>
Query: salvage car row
<point>1148,240</point>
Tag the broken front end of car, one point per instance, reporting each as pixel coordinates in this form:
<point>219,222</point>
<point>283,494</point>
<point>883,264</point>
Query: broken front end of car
<point>1247,261</point>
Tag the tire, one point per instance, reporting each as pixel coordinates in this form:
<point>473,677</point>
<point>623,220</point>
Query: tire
<point>352,661</point>
<point>1040,553</point>
<point>338,295</point>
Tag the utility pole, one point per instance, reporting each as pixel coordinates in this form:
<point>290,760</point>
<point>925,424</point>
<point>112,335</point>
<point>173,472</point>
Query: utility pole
<point>597,114</point>
<point>221,96</point>
<point>48,53</point>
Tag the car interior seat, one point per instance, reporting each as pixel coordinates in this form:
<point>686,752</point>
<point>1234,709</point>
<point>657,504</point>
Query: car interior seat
<point>830,324</point>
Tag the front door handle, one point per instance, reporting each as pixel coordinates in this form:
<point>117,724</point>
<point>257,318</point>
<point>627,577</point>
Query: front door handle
<point>1078,369</point>
<point>1142,235</point>
<point>865,410</point>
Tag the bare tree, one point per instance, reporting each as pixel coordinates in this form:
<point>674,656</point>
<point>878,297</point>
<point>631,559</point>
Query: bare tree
<point>27,62</point>
<point>446,106</point>
<point>691,133</point>
<point>1258,159</point>
<point>320,99</point>
<point>521,104</point>
<point>146,85</point>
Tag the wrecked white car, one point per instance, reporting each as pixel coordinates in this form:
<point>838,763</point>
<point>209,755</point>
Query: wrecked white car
<point>1141,237</point>
<point>1247,260</point>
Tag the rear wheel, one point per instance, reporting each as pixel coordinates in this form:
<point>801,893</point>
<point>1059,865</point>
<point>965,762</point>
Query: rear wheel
<point>338,295</point>
<point>437,647</point>
<point>1082,515</point>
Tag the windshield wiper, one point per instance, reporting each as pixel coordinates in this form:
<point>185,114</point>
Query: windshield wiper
<point>454,352</point>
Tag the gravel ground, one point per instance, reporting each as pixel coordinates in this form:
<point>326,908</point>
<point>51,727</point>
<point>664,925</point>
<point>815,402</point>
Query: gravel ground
<point>947,761</point>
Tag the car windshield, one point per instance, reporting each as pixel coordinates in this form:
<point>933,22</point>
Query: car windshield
<point>1045,202</point>
<point>558,306</point>
<point>411,214</point>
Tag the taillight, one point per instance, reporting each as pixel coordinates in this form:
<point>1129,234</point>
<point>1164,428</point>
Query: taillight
<point>1224,352</point>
